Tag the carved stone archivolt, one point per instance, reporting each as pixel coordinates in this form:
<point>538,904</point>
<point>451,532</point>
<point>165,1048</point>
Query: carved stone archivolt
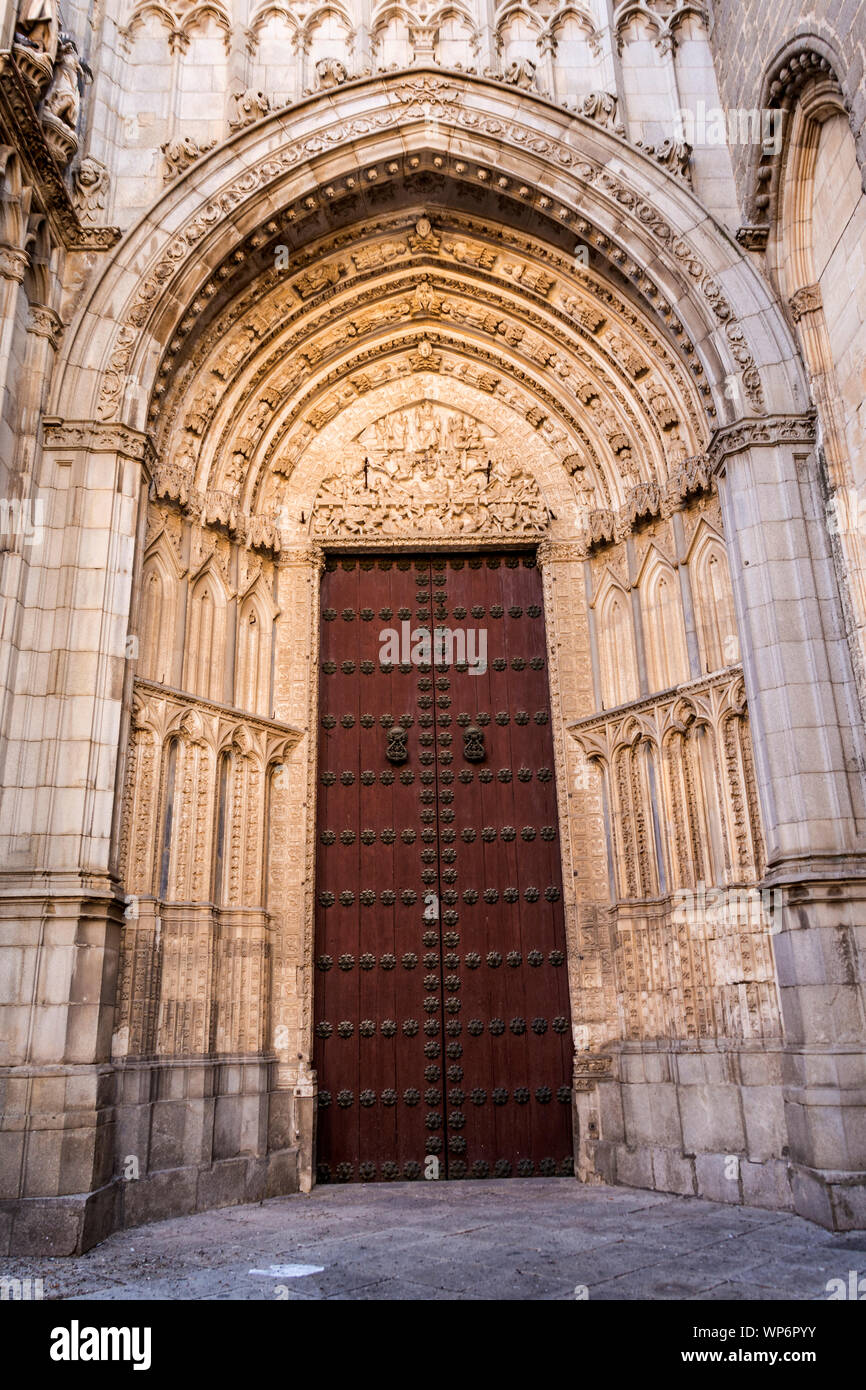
<point>451,100</point>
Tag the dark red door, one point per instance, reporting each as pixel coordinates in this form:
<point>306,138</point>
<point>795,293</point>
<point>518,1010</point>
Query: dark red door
<point>443,1039</point>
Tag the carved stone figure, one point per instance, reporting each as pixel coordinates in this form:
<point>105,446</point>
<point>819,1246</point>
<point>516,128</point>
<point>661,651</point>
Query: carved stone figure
<point>180,154</point>
<point>428,471</point>
<point>37,23</point>
<point>62,105</point>
<point>64,96</point>
<point>520,73</point>
<point>90,183</point>
<point>330,72</point>
<point>36,33</point>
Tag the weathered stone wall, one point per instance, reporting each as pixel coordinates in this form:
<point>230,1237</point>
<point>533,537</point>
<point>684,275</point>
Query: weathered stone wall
<point>746,35</point>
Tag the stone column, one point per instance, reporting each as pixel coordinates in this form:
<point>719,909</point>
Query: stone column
<point>43,336</point>
<point>13,268</point>
<point>845,510</point>
<point>586,895</point>
<point>60,905</point>
<point>292,853</point>
<point>809,753</point>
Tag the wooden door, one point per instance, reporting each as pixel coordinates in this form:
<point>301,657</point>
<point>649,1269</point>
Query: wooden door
<point>443,1038</point>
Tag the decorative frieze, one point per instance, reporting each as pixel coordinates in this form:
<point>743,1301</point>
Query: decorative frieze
<point>746,434</point>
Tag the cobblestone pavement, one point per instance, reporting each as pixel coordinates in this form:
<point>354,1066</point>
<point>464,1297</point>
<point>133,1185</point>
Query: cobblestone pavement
<point>532,1239</point>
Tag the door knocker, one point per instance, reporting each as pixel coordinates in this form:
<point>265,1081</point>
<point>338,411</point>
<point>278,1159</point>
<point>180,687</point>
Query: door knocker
<point>395,748</point>
<point>473,744</point>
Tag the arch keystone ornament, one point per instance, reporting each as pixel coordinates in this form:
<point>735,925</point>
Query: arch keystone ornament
<point>575,883</point>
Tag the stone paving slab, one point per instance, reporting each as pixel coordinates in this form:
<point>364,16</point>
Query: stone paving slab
<point>538,1239</point>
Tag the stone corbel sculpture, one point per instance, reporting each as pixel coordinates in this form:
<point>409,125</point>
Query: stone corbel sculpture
<point>90,181</point>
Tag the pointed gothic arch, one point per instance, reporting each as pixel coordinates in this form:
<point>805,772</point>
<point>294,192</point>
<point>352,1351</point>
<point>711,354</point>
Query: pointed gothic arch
<point>617,652</point>
<point>206,631</point>
<point>714,600</point>
<point>663,627</point>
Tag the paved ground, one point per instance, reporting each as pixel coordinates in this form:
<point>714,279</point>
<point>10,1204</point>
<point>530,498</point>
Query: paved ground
<point>533,1239</point>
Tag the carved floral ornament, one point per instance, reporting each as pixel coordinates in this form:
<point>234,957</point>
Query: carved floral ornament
<point>451,101</point>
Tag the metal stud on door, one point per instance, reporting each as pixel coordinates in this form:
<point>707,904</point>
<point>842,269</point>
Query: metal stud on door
<point>441,1011</point>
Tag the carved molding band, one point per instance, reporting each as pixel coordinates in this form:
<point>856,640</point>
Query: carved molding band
<point>95,437</point>
<point>746,434</point>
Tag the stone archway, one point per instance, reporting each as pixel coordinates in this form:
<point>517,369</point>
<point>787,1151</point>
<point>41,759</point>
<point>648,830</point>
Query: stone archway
<point>643,406</point>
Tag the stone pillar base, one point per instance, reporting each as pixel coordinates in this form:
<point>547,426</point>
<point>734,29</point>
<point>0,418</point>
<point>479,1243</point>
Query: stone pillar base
<point>230,1182</point>
<point>834,1200</point>
<point>55,1226</point>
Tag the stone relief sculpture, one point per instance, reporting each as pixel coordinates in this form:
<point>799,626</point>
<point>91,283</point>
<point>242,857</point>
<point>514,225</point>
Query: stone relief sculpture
<point>330,72</point>
<point>90,183</point>
<point>521,74</point>
<point>428,471</point>
<point>674,155</point>
<point>180,154</point>
<point>249,106</point>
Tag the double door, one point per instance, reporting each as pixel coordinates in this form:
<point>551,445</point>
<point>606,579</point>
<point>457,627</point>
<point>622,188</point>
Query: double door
<point>443,1042</point>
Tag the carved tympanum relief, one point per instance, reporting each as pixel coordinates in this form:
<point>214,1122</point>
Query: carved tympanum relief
<point>428,471</point>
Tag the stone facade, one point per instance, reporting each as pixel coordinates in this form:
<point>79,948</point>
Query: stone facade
<point>422,278</point>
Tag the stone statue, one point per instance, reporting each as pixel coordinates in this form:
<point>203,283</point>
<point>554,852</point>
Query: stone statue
<point>37,25</point>
<point>35,43</point>
<point>64,95</point>
<point>62,105</point>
